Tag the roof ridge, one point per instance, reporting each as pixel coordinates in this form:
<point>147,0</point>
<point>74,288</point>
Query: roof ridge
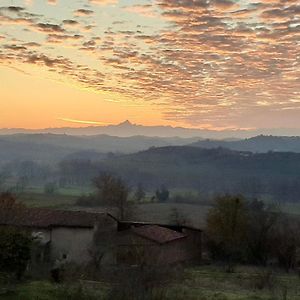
<point>158,234</point>
<point>46,217</point>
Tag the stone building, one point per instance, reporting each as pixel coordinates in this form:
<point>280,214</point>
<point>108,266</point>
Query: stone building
<point>60,233</point>
<point>82,237</point>
<point>157,243</point>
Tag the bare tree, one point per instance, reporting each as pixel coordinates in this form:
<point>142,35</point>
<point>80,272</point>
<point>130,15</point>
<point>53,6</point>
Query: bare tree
<point>113,191</point>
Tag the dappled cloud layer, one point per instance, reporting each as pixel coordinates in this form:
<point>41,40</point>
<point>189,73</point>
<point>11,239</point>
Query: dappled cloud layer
<point>213,63</point>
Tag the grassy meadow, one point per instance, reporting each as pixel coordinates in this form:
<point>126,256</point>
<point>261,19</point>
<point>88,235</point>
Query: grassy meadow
<point>195,283</point>
<point>193,214</point>
<point>65,198</point>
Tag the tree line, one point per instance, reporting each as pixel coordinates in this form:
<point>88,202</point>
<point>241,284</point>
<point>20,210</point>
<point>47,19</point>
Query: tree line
<point>242,231</point>
<point>209,172</point>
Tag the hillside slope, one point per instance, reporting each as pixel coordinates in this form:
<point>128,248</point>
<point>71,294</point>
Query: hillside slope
<point>54,147</point>
<point>212,170</point>
<point>259,143</point>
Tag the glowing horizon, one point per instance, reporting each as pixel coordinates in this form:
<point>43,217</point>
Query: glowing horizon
<point>214,64</point>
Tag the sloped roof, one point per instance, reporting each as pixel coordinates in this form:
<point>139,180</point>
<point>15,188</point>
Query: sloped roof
<point>44,218</point>
<point>126,224</point>
<point>158,234</point>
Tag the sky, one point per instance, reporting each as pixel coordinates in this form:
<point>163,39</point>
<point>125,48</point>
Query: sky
<point>214,64</point>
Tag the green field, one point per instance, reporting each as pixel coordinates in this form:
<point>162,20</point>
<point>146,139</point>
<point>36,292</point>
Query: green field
<point>66,198</point>
<point>62,198</point>
<point>43,200</point>
<point>203,283</point>
<point>152,212</point>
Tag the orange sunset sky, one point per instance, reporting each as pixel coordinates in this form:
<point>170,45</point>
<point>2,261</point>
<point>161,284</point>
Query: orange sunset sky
<point>194,63</point>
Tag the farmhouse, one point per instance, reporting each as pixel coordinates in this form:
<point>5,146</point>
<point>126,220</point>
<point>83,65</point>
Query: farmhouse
<point>81,236</point>
<point>157,243</point>
<point>60,233</point>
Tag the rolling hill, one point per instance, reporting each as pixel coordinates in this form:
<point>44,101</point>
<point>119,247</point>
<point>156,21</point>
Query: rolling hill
<point>54,147</point>
<point>259,143</point>
<point>212,170</point>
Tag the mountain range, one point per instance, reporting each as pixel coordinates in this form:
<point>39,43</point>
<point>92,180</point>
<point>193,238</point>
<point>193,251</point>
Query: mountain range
<point>127,129</point>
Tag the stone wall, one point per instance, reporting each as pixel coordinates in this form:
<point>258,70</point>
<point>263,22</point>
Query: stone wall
<point>75,243</point>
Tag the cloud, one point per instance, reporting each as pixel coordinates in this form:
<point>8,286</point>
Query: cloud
<point>83,12</point>
<point>89,45</point>
<point>16,15</point>
<point>83,74</point>
<point>225,4</point>
<point>14,47</point>
<point>32,44</point>
<point>143,10</point>
<point>70,22</point>
<point>103,2</point>
<point>49,28</point>
<point>60,38</point>
<point>52,2</point>
<point>15,9</point>
<point>83,122</point>
<point>216,62</point>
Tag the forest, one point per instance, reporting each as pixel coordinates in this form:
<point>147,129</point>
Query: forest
<point>207,172</point>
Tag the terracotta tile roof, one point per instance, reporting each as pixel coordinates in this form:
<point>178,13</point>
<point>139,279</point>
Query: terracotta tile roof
<point>128,224</point>
<point>157,233</point>
<point>42,217</point>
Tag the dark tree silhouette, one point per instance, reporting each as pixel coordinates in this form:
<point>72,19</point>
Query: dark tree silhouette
<point>113,191</point>
<point>162,194</point>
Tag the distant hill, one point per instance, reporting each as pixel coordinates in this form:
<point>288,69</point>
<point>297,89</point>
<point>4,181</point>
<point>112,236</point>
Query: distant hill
<point>212,170</point>
<point>128,129</point>
<point>54,147</point>
<point>270,174</point>
<point>11,150</point>
<point>90,155</point>
<point>259,143</point>
<point>47,147</point>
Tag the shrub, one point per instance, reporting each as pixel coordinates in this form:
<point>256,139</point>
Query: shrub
<point>15,250</point>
